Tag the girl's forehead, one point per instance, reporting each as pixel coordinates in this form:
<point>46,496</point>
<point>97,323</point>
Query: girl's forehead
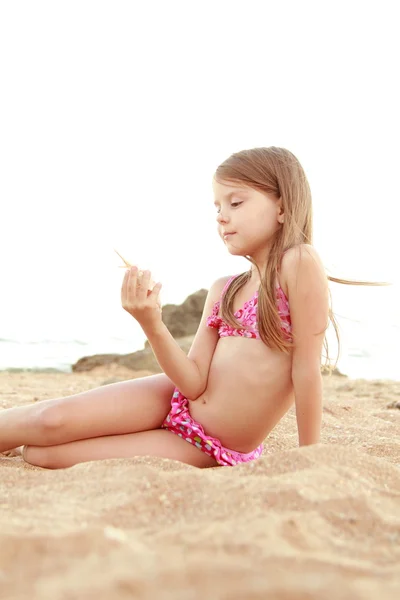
<point>227,187</point>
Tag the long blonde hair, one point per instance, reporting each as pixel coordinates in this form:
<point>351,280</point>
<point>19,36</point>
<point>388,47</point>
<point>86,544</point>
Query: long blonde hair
<point>277,172</point>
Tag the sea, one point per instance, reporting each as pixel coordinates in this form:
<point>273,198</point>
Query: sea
<point>51,326</point>
<point>368,350</point>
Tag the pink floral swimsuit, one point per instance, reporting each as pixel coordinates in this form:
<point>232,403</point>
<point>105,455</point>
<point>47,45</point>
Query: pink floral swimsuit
<point>179,420</point>
<point>248,316</point>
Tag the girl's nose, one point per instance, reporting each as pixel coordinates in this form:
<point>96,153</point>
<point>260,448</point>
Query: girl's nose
<point>221,218</point>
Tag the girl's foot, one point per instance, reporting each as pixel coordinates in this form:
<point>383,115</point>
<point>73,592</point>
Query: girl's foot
<point>13,452</point>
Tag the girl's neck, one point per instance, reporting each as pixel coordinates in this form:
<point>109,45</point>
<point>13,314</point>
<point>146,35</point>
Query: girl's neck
<point>254,278</point>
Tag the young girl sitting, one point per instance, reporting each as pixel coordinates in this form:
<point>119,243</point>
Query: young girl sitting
<point>257,349</point>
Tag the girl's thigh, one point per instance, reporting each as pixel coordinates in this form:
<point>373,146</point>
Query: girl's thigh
<point>118,408</point>
<point>159,442</point>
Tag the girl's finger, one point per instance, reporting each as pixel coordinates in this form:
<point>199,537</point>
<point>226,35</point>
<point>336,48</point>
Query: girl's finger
<point>124,289</point>
<point>132,285</point>
<point>156,289</point>
<point>144,285</point>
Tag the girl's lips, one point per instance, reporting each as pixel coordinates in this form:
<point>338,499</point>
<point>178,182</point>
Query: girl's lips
<point>226,235</point>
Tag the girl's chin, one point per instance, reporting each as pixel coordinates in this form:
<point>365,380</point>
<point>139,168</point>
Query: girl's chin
<point>235,251</point>
<point>233,248</point>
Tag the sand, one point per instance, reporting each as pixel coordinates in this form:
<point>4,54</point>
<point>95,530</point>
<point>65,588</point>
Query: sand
<point>315,522</point>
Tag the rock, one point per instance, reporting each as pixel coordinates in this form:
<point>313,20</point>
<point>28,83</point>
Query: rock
<point>87,363</point>
<point>182,322</point>
<point>183,319</point>
<point>335,371</point>
<point>142,360</point>
<point>394,404</point>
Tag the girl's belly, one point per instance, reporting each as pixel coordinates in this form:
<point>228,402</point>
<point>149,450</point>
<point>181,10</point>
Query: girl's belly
<point>249,389</point>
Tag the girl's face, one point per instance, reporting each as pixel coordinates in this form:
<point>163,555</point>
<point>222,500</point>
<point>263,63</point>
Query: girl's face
<point>250,217</point>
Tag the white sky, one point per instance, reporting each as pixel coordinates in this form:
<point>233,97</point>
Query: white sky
<point>114,116</point>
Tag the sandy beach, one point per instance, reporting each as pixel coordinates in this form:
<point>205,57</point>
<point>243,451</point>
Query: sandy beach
<point>315,522</point>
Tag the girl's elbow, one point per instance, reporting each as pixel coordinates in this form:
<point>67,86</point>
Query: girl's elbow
<point>196,393</point>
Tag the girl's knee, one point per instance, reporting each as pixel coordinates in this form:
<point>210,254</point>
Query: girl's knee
<point>50,423</point>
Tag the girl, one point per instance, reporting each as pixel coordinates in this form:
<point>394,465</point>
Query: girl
<point>257,349</point>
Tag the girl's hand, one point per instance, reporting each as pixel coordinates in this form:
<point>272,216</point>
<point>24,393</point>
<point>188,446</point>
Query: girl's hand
<point>139,299</point>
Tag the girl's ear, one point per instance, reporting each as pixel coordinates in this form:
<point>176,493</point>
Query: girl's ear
<point>280,211</point>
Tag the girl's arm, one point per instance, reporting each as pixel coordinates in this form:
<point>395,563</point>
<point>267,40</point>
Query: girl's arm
<point>188,373</point>
<point>308,291</point>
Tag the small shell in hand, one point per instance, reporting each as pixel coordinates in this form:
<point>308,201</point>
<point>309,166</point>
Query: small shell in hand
<point>151,285</point>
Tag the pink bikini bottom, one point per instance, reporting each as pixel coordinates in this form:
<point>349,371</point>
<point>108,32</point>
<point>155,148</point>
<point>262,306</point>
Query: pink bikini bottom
<point>180,421</point>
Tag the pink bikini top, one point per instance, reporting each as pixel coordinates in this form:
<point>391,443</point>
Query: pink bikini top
<point>248,316</point>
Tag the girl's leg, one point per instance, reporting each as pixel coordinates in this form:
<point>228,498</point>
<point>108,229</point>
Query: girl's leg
<point>119,408</point>
<point>158,442</point>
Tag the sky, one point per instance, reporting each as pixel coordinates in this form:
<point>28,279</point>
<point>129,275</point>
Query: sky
<point>115,115</point>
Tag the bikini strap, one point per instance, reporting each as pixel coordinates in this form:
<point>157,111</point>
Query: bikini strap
<point>227,285</point>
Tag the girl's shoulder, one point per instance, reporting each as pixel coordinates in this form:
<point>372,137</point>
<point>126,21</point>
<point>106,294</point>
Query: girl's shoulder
<point>298,257</point>
<point>219,286</point>
<point>299,253</point>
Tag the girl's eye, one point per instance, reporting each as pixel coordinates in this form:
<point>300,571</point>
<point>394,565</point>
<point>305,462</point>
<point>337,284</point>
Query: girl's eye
<point>234,204</point>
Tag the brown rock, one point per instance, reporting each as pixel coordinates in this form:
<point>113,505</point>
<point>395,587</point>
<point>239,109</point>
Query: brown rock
<point>183,319</point>
<point>394,404</point>
<point>142,360</point>
<point>182,322</point>
<point>335,371</point>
